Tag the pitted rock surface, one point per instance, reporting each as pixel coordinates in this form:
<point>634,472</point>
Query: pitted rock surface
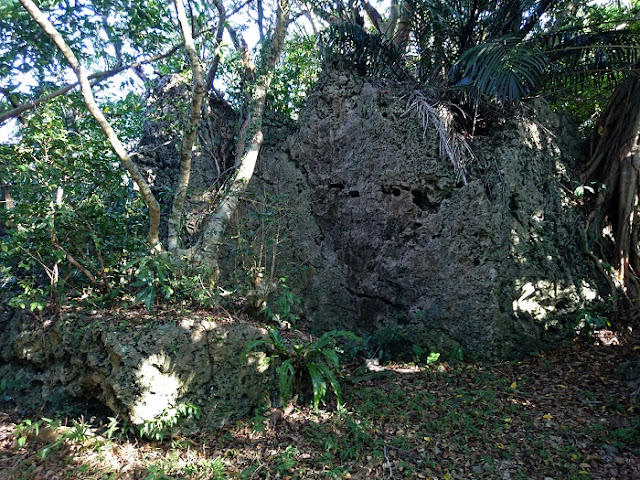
<point>389,244</point>
<point>138,368</point>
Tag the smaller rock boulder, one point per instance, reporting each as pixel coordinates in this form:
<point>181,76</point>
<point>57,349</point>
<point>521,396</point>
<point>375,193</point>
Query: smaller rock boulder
<point>139,366</point>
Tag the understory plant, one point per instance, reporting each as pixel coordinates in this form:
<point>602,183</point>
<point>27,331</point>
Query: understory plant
<point>161,426</point>
<point>305,367</point>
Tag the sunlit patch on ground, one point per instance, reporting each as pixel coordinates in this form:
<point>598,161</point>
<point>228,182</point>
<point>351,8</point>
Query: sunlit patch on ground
<point>560,415</point>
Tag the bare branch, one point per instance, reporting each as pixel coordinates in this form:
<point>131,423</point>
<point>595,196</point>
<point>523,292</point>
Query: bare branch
<point>96,77</point>
<point>85,271</point>
<point>213,70</point>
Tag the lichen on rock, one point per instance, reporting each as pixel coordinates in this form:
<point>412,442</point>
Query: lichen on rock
<point>138,366</point>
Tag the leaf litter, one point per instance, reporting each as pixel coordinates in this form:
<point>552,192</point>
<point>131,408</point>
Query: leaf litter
<point>563,414</point>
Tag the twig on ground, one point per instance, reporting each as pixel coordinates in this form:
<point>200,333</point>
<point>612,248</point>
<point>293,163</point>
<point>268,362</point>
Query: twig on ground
<point>257,470</point>
<point>386,457</point>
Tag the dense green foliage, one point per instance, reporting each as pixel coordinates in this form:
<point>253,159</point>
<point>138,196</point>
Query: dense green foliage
<point>305,367</point>
<point>294,77</point>
<point>70,202</point>
<point>591,52</point>
<point>503,51</point>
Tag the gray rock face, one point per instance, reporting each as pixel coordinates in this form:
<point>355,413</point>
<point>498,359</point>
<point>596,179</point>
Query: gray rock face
<point>392,245</point>
<point>141,369</point>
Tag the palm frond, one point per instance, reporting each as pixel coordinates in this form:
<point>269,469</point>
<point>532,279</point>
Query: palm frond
<point>588,62</point>
<point>453,146</point>
<point>590,58</point>
<point>505,69</point>
<point>370,52</point>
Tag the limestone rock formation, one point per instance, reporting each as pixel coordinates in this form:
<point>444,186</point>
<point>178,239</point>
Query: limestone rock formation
<point>376,234</point>
<point>139,368</point>
<point>158,151</point>
<point>391,245</point>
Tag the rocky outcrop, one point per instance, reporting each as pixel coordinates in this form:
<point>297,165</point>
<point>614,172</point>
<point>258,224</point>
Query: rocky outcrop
<point>373,230</point>
<point>388,243</point>
<point>158,151</point>
<point>139,366</point>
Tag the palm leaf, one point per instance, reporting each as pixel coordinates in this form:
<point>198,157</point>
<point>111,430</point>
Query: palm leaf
<point>595,55</point>
<point>506,69</point>
<point>371,52</point>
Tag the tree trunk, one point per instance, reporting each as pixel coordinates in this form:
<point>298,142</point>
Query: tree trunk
<point>85,86</point>
<point>190,130</point>
<point>614,164</point>
<point>207,250</point>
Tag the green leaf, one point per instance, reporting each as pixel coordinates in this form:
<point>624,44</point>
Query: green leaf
<point>150,298</point>
<point>37,305</point>
<point>506,68</point>
<point>581,189</point>
<point>318,383</point>
<point>253,345</point>
<point>329,374</point>
<point>331,336</point>
<point>286,374</point>
<point>332,356</point>
<point>432,358</point>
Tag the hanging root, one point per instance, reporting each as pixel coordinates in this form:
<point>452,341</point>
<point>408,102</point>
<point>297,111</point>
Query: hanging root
<point>615,163</point>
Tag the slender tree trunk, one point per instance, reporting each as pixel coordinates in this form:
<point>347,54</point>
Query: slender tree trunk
<point>222,20</point>
<point>191,129</point>
<point>92,106</point>
<point>200,88</point>
<point>207,250</point>
<point>615,164</point>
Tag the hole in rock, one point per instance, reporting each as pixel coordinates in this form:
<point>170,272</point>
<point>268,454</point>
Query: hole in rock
<point>422,201</point>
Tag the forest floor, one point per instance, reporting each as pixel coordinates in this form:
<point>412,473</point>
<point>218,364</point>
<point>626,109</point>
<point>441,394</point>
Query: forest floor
<point>565,414</point>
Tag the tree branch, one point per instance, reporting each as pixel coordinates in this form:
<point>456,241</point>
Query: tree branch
<point>191,129</point>
<point>85,271</point>
<point>92,106</point>
<point>97,77</point>
<point>216,225</point>
<point>540,9</point>
<point>213,70</point>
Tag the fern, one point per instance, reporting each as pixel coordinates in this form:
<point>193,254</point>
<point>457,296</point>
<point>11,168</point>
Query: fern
<point>316,363</point>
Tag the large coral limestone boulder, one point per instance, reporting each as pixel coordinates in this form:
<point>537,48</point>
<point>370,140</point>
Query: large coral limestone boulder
<point>392,245</point>
<point>141,368</point>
